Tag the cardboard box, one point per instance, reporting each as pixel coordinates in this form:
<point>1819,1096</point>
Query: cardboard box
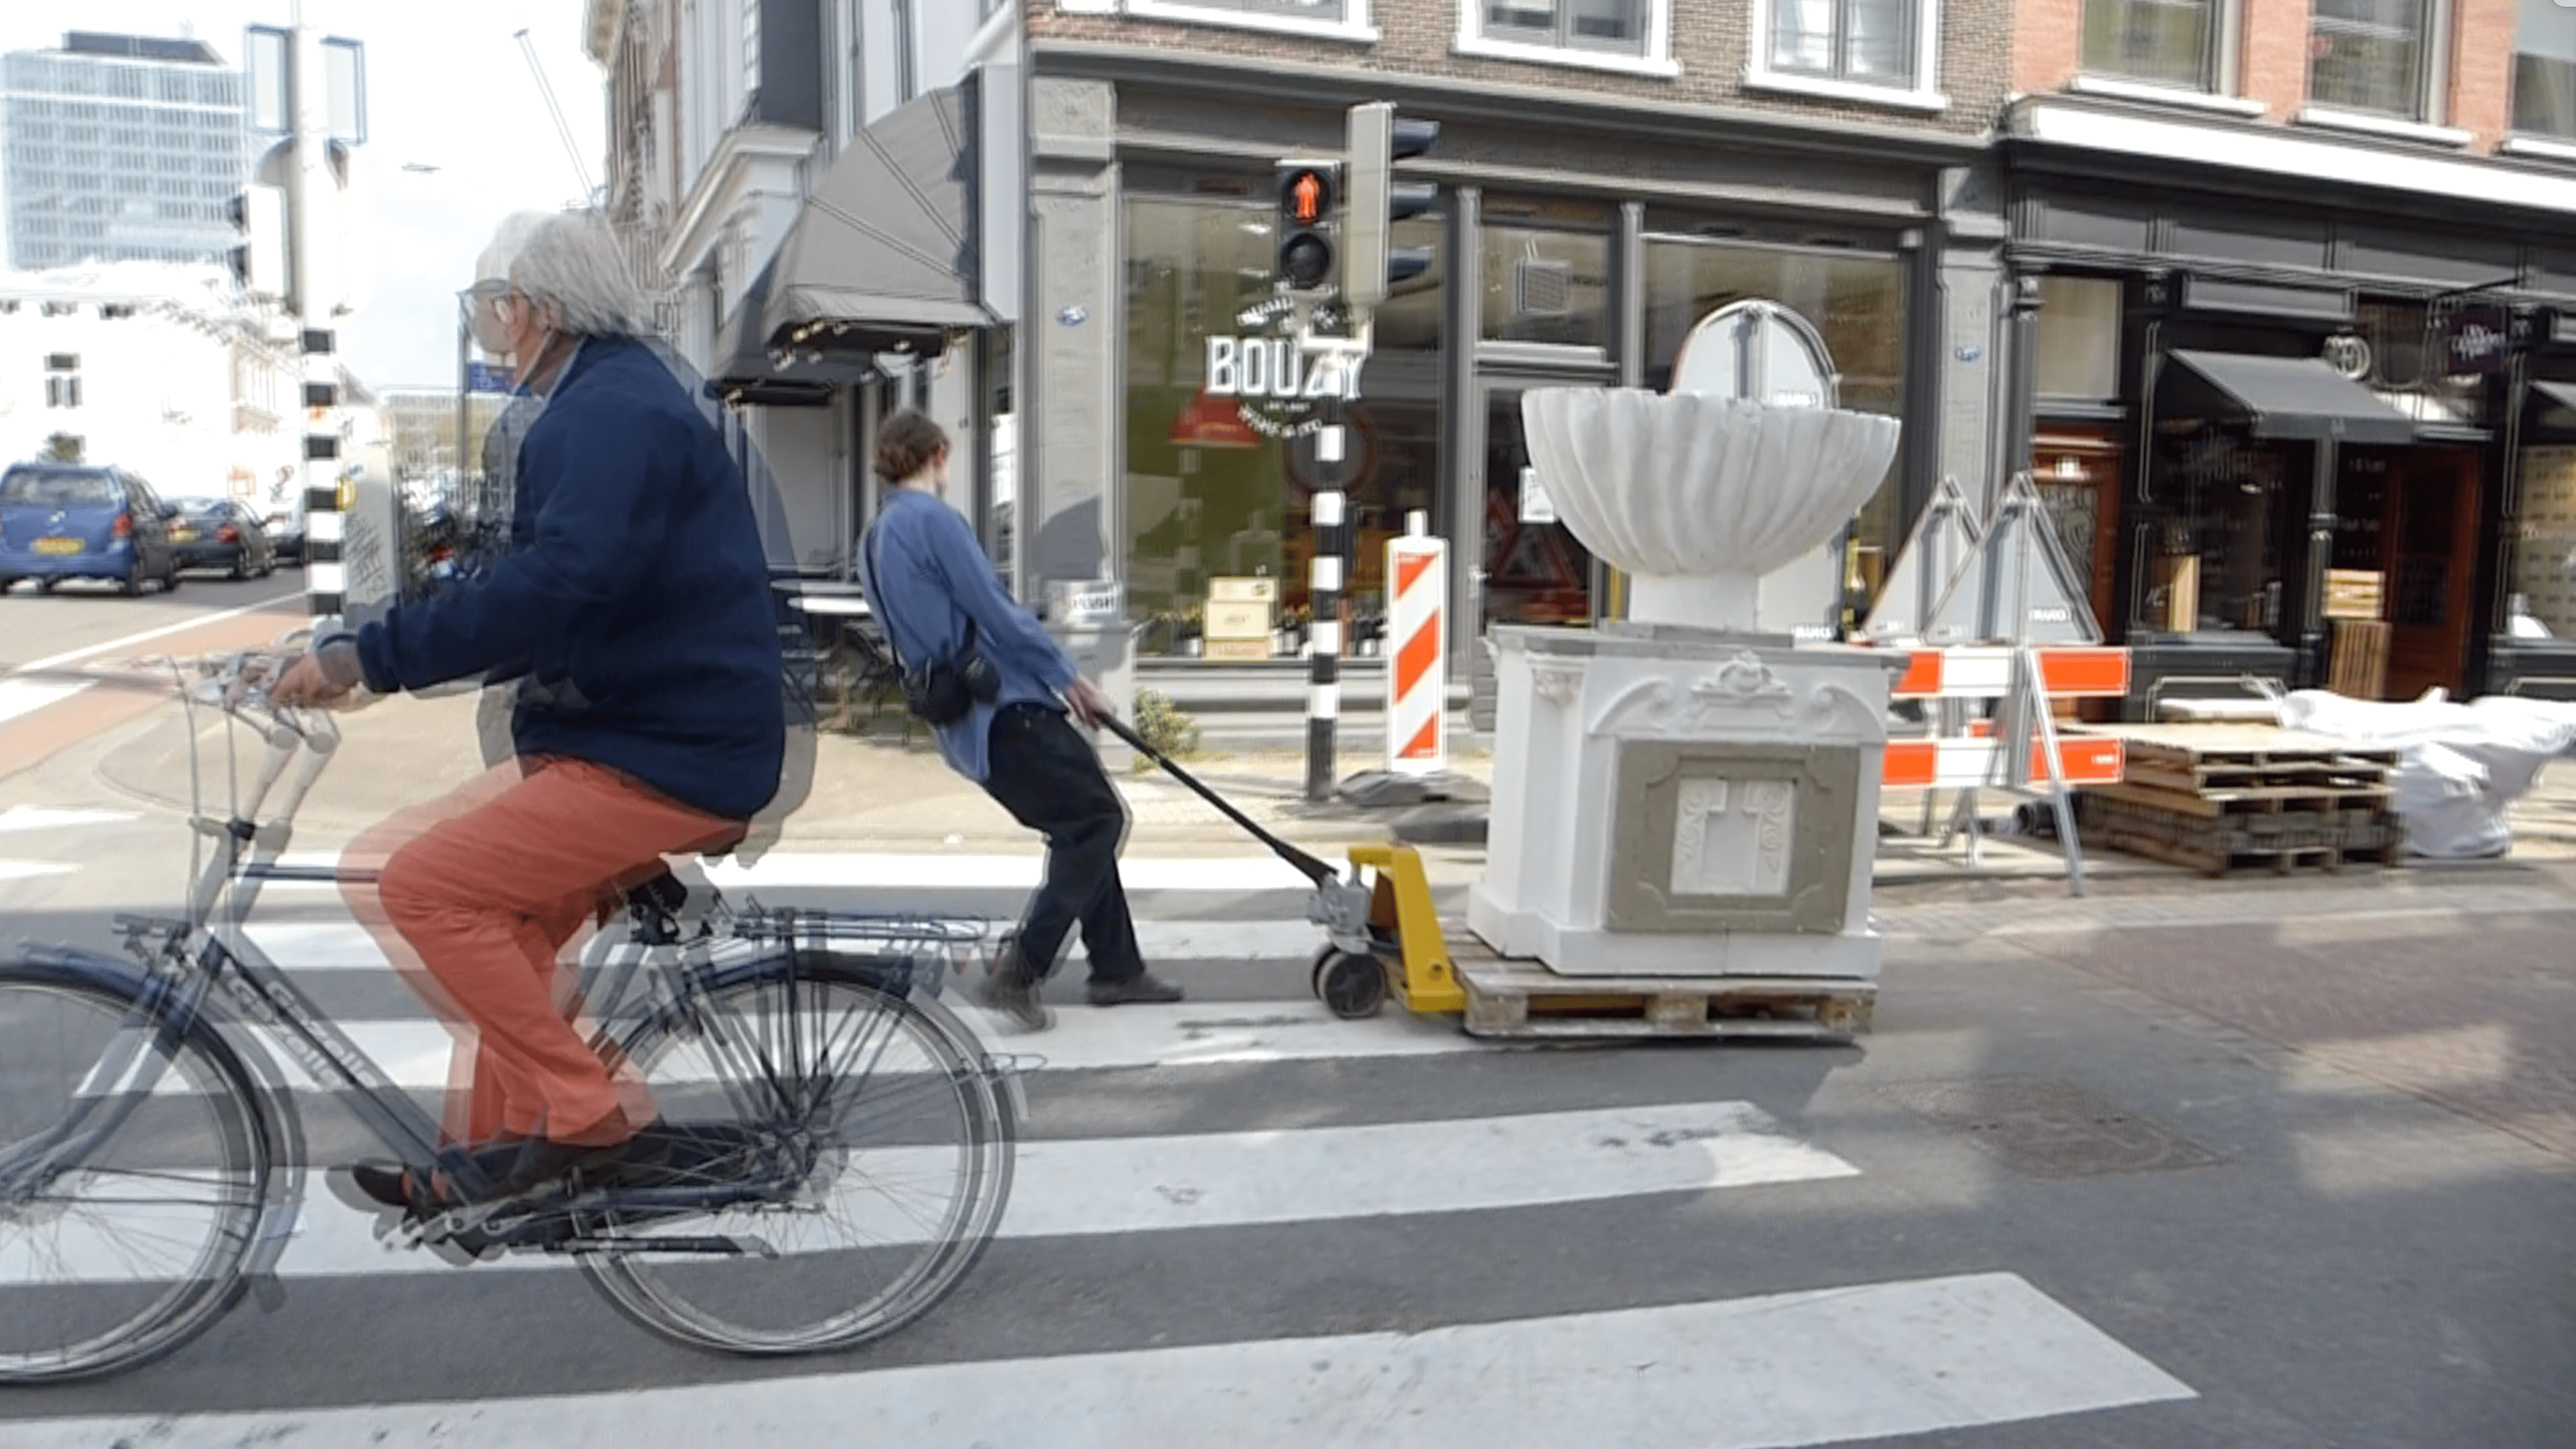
<point>2177,578</point>
<point>2354,593</point>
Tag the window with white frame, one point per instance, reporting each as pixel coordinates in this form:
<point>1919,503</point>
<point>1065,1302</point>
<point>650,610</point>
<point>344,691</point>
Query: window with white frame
<point>751,47</point>
<point>2373,57</point>
<point>2155,42</point>
<point>1855,42</point>
<point>1325,12</point>
<point>1616,27</point>
<point>62,380</point>
<point>2544,71</point>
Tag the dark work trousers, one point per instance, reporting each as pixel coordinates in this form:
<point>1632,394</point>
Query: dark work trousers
<point>1039,767</point>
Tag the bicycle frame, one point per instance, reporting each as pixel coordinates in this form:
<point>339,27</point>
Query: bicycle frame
<point>259,1004</point>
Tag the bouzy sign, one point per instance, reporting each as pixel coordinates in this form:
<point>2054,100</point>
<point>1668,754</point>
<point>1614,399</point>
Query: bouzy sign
<point>1277,383</point>
<point>2473,341</point>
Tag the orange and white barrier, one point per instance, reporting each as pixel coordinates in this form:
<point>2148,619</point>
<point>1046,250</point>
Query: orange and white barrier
<point>1969,763</point>
<point>2073,672</point>
<point>1417,596</point>
<point>1985,672</point>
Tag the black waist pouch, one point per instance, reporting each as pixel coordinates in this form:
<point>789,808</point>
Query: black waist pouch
<point>945,691</point>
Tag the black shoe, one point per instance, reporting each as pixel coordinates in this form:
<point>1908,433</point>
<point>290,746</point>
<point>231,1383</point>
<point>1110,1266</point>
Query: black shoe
<point>514,1168</point>
<point>1143,986</point>
<point>1010,989</point>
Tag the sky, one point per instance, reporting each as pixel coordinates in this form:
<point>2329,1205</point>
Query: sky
<point>448,87</point>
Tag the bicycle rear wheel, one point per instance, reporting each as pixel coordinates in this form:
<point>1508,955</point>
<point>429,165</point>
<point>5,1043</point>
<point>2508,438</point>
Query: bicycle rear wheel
<point>882,1149</point>
<point>123,1252</point>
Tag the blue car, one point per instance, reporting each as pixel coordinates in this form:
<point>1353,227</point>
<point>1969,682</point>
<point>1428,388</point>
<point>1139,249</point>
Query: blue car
<point>74,521</point>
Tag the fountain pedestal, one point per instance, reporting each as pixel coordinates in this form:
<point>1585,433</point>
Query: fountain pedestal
<point>1684,795</point>
<point>1682,802</point>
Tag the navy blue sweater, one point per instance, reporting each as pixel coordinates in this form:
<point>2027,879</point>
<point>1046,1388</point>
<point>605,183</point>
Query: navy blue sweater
<point>634,608</point>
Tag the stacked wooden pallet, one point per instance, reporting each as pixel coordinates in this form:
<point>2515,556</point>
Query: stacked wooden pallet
<point>2222,797</point>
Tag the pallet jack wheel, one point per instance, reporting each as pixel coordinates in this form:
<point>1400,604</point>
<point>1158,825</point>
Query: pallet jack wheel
<point>1351,987</point>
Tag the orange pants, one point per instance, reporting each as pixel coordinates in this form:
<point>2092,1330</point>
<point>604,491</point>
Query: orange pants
<point>478,896</point>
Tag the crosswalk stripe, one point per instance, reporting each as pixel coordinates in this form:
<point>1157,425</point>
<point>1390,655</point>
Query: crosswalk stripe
<point>35,817</point>
<point>32,869</point>
<point>1822,1366</point>
<point>25,696</point>
<point>935,870</point>
<point>346,946</point>
<point>1103,1186</point>
<point>414,1054</point>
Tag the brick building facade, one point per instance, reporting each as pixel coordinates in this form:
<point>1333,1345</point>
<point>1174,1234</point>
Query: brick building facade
<point>2291,278</point>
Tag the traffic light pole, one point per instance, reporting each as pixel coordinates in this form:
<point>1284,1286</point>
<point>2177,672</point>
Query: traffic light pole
<point>1324,618</point>
<point>308,182</point>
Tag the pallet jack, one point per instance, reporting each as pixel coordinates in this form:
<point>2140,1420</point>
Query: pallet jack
<point>1382,936</point>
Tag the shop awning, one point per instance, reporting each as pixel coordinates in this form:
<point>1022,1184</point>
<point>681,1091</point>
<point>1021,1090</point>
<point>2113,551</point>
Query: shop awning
<point>882,254</point>
<point>744,370</point>
<point>2558,395</point>
<point>2292,398</point>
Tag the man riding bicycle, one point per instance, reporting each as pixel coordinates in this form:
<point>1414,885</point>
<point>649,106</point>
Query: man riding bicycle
<point>633,610</point>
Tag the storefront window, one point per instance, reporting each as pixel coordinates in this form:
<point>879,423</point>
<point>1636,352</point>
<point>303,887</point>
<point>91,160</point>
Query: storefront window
<point>1220,463</point>
<point>2079,339</point>
<point>2219,557</point>
<point>2544,552</point>
<point>1856,303</point>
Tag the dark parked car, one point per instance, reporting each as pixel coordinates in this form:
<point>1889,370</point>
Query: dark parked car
<point>75,521</point>
<point>227,536</point>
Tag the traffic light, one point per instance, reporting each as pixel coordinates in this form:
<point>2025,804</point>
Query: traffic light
<point>1307,192</point>
<point>237,212</point>
<point>1372,265</point>
<point>257,256</point>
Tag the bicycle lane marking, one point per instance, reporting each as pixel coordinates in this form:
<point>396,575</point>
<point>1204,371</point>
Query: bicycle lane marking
<point>1817,1366</point>
<point>88,707</point>
<point>74,656</point>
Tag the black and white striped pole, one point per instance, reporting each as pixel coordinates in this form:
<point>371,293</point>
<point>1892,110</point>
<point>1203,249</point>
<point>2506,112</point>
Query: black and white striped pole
<point>1324,614</point>
<point>326,572</point>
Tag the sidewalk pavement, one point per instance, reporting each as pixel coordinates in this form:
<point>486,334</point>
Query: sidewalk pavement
<point>878,793</point>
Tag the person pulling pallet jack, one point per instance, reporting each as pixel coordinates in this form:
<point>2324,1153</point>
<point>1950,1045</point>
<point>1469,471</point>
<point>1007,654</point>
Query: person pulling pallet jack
<point>1382,938</point>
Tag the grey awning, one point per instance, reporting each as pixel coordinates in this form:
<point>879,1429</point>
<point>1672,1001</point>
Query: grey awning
<point>2560,395</point>
<point>2291,397</point>
<point>882,255</point>
<point>745,371</point>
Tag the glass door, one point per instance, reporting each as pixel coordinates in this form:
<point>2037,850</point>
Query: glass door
<point>1532,569</point>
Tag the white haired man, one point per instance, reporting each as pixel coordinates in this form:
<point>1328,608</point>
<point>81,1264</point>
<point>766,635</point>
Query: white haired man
<point>635,613</point>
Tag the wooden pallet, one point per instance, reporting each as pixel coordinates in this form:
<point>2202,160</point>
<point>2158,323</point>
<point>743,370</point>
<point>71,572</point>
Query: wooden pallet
<point>2219,756</point>
<point>2324,834</point>
<point>1525,999</point>
<point>2217,798</point>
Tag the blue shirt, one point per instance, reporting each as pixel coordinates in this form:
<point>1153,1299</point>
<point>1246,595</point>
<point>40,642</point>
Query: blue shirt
<point>936,579</point>
<point>635,611</point>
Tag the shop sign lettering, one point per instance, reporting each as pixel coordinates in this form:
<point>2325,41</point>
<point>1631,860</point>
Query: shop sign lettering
<point>2473,341</point>
<point>1277,382</point>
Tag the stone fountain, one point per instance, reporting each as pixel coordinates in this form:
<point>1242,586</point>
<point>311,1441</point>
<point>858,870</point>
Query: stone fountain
<point>1682,793</point>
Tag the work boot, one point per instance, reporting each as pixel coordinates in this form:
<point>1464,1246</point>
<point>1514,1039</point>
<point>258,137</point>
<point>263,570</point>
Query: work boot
<point>1010,989</point>
<point>1143,986</point>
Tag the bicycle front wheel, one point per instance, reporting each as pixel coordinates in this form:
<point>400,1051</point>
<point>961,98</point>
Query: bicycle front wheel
<point>882,1150</point>
<point>116,1248</point>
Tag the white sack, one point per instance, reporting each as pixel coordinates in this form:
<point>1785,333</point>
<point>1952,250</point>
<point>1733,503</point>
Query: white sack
<point>2460,766</point>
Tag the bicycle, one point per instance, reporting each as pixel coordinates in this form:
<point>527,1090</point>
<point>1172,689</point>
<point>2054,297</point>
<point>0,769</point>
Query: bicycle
<point>760,1033</point>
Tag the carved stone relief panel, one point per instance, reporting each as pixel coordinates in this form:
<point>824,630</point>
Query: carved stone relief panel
<point>1711,836</point>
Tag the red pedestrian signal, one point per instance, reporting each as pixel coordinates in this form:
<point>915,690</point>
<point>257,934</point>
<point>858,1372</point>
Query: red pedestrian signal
<point>1306,198</point>
<point>1307,195</point>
